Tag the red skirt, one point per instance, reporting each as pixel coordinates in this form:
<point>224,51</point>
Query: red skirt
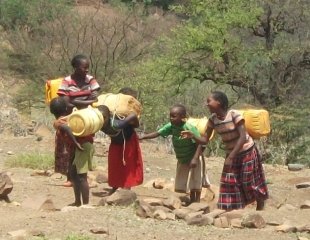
<point>125,170</point>
<point>243,182</point>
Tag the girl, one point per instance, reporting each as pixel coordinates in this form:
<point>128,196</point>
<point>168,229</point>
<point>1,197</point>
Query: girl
<point>81,90</point>
<point>125,166</point>
<point>65,142</point>
<point>242,180</point>
<point>185,152</point>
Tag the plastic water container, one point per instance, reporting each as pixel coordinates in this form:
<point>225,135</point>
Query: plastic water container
<point>85,121</point>
<point>51,89</point>
<point>120,104</point>
<point>200,124</point>
<point>256,122</point>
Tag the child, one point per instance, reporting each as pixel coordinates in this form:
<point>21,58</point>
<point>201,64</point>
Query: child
<point>65,142</point>
<point>125,166</point>
<point>242,180</point>
<point>80,88</point>
<point>185,151</point>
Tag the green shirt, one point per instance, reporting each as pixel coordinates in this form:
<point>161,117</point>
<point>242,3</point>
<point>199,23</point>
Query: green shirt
<point>184,148</point>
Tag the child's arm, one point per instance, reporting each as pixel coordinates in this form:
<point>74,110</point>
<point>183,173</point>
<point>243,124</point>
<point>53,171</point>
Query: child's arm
<point>149,135</point>
<point>194,161</point>
<point>65,128</point>
<point>198,139</point>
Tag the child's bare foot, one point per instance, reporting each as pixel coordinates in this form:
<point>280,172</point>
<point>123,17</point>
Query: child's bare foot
<point>75,204</point>
<point>68,184</point>
<point>260,204</point>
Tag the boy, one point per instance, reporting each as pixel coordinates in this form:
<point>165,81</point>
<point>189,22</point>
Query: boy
<point>188,172</point>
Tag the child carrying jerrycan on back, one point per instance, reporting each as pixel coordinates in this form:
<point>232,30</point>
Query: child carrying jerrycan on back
<point>243,179</point>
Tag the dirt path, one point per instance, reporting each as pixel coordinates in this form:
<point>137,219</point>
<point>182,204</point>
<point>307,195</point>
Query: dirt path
<point>122,222</point>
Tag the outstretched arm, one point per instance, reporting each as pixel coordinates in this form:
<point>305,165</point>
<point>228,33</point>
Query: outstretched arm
<point>149,136</point>
<point>198,139</point>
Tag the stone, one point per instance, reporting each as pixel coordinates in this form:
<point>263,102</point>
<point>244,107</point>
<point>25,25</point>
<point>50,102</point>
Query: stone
<point>304,228</point>
<point>253,220</point>
<point>286,228</point>
<point>236,223</point>
<point>221,222</point>
<point>295,167</point>
<point>199,207</point>
<point>144,210</point>
<point>39,202</point>
<point>160,214</point>
<point>288,207</point>
<point>122,197</point>
<point>102,178</point>
<point>200,220</point>
<point>99,230</point>
<point>6,186</point>
<point>215,213</point>
<point>159,183</point>
<point>303,185</point>
<point>305,205</point>
<point>153,201</point>
<point>172,202</point>
<point>233,214</point>
<point>181,213</point>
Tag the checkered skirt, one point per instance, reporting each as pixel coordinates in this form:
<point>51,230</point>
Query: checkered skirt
<point>243,182</point>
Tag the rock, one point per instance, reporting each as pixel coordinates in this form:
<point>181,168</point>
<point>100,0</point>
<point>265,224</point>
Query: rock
<point>39,202</point>
<point>160,214</point>
<point>193,215</point>
<point>6,186</point>
<point>57,176</point>
<point>172,202</point>
<point>215,213</point>
<point>159,183</point>
<point>144,210</point>
<point>99,230</point>
<point>122,197</point>
<point>102,178</point>
<point>286,228</point>
<point>181,213</point>
<point>253,220</point>
<point>303,185</point>
<point>102,201</point>
<point>305,205</point>
<point>236,223</point>
<point>221,222</point>
<point>302,238</point>
<point>199,207</point>
<point>304,228</point>
<point>38,172</point>
<point>288,207</point>
<point>153,201</point>
<point>295,167</point>
<point>234,214</point>
<point>10,153</point>
<point>200,220</point>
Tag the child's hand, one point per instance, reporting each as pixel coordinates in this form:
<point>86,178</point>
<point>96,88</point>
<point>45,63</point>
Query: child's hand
<point>193,163</point>
<point>79,146</point>
<point>228,161</point>
<point>187,134</point>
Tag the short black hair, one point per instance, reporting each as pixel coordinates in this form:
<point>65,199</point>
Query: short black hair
<point>58,107</point>
<point>221,98</point>
<point>129,91</point>
<point>77,59</point>
<point>181,109</point>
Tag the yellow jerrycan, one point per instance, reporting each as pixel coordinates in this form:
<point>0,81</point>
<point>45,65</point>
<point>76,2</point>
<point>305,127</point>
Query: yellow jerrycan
<point>257,122</point>
<point>51,89</point>
<point>120,104</point>
<point>85,121</point>
<point>200,124</point>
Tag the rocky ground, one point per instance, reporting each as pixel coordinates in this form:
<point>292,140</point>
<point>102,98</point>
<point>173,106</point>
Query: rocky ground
<point>39,202</point>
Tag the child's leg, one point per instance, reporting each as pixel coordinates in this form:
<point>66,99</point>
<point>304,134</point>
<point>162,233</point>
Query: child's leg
<point>76,186</point>
<point>84,187</point>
